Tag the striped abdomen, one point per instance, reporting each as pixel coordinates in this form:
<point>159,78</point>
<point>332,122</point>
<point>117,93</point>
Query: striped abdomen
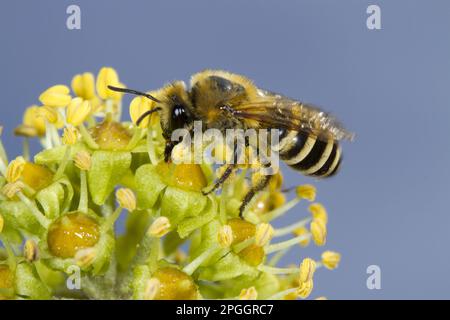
<point>309,155</point>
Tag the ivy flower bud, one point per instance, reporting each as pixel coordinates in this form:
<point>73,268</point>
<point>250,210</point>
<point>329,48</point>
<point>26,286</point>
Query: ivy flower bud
<point>84,85</point>
<point>83,160</point>
<point>306,191</point>
<point>77,111</point>
<point>305,288</point>
<point>126,199</point>
<point>319,232</point>
<point>318,212</point>
<point>331,259</point>
<point>85,257</point>
<point>30,250</point>
<point>307,269</point>
<point>108,76</point>
<point>264,233</point>
<point>159,227</point>
<point>225,236</point>
<point>302,231</point>
<point>2,223</point>
<point>248,294</point>
<point>11,189</point>
<point>15,169</point>
<point>152,288</point>
<point>70,136</point>
<point>56,96</point>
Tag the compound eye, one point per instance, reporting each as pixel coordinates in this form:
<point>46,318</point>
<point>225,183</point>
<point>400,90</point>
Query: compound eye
<point>179,117</point>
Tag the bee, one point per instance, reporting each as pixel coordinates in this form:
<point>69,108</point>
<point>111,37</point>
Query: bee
<point>309,138</point>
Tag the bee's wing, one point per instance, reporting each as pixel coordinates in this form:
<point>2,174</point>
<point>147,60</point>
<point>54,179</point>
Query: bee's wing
<point>272,110</point>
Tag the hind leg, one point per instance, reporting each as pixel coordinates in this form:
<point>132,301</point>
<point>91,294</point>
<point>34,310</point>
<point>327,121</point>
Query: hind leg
<point>257,186</point>
<point>228,171</point>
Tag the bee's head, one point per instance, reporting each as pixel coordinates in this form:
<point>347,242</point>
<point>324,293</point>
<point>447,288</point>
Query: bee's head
<point>176,108</point>
<point>173,105</point>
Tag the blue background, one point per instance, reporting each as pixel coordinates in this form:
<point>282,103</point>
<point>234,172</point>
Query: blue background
<point>389,204</point>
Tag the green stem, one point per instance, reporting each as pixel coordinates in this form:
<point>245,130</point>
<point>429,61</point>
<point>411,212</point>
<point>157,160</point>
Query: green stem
<point>286,230</point>
<point>3,155</point>
<point>151,147</point>
<point>26,149</point>
<point>83,205</point>
<point>286,244</point>
<point>11,259</point>
<point>277,257</point>
<point>274,270</point>
<point>87,137</point>
<point>34,210</point>
<point>191,267</point>
<point>282,294</point>
<point>280,210</point>
<point>110,220</point>
<point>48,137</point>
<point>147,254</point>
<point>62,167</point>
<point>244,244</point>
<point>137,136</point>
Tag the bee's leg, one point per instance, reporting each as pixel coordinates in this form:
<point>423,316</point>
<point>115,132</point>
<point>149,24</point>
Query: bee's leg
<point>261,184</point>
<point>228,171</point>
<point>168,149</point>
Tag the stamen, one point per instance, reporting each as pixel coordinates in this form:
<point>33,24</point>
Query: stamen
<point>286,244</point>
<point>278,212</point>
<point>191,267</point>
<point>279,232</point>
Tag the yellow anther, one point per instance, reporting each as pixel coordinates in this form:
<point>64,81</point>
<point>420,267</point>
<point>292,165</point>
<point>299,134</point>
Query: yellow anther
<point>318,212</point>
<point>108,76</point>
<point>138,107</point>
<point>126,199</point>
<point>15,169</point>
<point>159,227</point>
<point>307,269</point>
<point>83,160</point>
<point>32,120</point>
<point>85,257</point>
<point>152,288</point>
<point>264,233</point>
<point>56,96</point>
<point>84,85</point>
<point>248,294</point>
<point>302,231</point>
<point>331,259</point>
<point>30,250</point>
<point>225,236</point>
<point>306,191</point>
<point>305,288</point>
<point>77,111</point>
<point>70,136</point>
<point>49,114</point>
<point>11,189</point>
<point>319,232</point>
<point>2,223</point>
